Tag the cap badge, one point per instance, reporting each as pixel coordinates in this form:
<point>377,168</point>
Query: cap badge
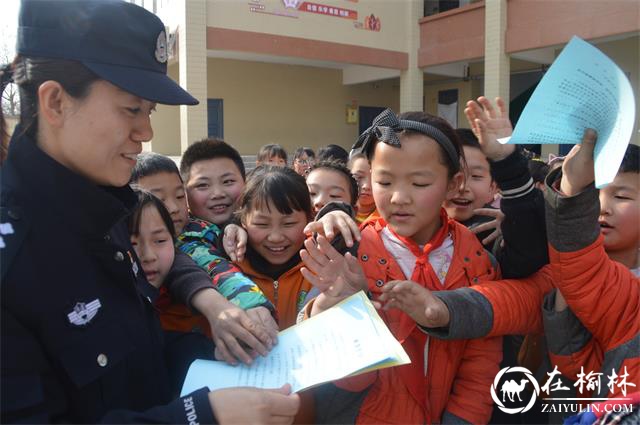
<point>83,313</point>
<point>161,47</point>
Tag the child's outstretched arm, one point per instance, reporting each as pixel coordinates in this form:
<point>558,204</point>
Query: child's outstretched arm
<point>201,242</point>
<point>238,335</point>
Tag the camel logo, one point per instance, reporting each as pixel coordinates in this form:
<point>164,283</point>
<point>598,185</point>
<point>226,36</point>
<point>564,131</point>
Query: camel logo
<point>511,389</point>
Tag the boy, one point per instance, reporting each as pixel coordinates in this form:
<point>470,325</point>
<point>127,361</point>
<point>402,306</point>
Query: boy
<point>159,175</point>
<point>477,192</point>
<point>594,265</point>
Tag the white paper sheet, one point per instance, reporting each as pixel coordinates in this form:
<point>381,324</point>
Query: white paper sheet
<point>346,339</point>
<point>582,89</point>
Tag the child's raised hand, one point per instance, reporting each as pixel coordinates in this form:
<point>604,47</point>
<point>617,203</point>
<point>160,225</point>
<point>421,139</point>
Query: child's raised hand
<point>489,125</point>
<point>577,168</point>
<point>234,242</point>
<point>335,221</point>
<point>336,276</point>
<point>417,301</point>
<point>493,224</point>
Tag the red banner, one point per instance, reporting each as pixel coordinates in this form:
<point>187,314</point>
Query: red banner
<point>322,9</point>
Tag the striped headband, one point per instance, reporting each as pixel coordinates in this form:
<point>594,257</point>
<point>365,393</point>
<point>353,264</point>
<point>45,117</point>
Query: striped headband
<point>385,128</point>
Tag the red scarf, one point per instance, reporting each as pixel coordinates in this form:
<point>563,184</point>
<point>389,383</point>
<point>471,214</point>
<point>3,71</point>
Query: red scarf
<point>424,275</point>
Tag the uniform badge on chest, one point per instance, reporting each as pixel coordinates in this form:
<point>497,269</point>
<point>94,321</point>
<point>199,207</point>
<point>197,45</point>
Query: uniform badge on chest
<point>83,313</point>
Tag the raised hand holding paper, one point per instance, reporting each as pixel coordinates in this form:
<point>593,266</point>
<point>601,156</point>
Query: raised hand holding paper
<point>582,89</point>
<point>348,338</point>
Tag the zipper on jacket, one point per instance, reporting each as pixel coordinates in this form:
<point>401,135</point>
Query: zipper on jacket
<point>275,293</point>
<point>426,356</point>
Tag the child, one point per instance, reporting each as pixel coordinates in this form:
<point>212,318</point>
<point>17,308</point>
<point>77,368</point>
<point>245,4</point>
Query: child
<point>478,190</point>
<point>272,154</point>
<point>213,174</point>
<point>274,209</point>
<point>594,265</point>
<point>333,152</point>
<point>197,239</point>
<point>330,181</point>
<point>361,172</point>
<point>415,167</point>
<point>303,160</point>
<point>152,237</point>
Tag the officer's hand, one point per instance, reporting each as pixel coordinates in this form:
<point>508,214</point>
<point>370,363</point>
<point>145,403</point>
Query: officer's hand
<point>246,405</point>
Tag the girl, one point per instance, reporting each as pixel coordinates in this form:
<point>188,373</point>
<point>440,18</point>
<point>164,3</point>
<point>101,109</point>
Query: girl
<point>361,172</point>
<point>274,210</point>
<point>88,348</point>
<point>415,162</point>
<point>331,181</point>
<point>152,237</point>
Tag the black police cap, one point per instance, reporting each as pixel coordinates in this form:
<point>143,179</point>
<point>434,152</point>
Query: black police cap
<point>120,42</point>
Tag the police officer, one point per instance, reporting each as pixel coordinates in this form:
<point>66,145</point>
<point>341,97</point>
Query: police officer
<point>80,338</point>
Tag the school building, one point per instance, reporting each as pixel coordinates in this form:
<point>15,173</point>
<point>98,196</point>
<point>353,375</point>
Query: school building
<point>310,73</point>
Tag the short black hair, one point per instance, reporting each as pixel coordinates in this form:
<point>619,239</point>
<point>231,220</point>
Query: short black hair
<point>144,199</point>
<point>333,152</point>
<point>281,186</point>
<point>267,152</point>
<point>631,160</point>
<point>209,148</point>
<point>151,163</point>
<point>467,138</point>
<point>340,168</point>
<point>304,150</point>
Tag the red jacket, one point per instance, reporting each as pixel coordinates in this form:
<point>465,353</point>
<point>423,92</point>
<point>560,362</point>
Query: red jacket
<point>458,373</point>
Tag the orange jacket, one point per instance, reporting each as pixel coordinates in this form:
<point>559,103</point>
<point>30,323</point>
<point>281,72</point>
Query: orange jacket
<point>288,294</point>
<point>605,296</point>
<point>458,373</point>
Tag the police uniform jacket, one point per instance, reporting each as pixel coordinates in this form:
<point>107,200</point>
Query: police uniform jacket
<point>80,338</point>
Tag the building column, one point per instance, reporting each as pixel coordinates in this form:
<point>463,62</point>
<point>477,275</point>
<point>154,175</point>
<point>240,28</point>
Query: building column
<point>192,58</point>
<point>412,79</point>
<point>497,66</point>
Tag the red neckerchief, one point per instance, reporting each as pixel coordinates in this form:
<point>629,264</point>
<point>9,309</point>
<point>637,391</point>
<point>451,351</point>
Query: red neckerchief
<point>424,275</point>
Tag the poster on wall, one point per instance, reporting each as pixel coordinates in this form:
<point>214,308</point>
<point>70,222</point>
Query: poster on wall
<point>448,106</point>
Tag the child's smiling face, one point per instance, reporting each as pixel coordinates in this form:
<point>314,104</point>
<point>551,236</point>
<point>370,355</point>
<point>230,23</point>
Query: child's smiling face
<point>275,236</point>
<point>326,185</point>
<point>410,184</point>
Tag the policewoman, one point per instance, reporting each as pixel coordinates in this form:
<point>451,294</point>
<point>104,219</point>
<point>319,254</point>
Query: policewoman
<point>80,338</point>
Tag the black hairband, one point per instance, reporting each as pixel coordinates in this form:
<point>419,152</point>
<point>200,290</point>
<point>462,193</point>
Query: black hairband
<point>386,126</point>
